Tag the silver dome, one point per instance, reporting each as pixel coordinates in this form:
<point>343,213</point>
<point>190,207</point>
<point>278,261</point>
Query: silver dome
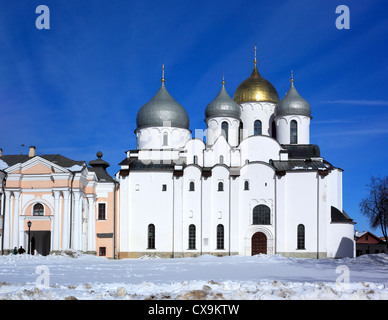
<point>162,109</point>
<point>223,106</point>
<point>293,104</point>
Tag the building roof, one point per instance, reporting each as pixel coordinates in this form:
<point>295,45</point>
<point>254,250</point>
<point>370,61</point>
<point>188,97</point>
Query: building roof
<point>339,217</point>
<point>302,151</point>
<point>293,104</point>
<point>99,166</point>
<point>54,158</point>
<point>161,111</point>
<point>223,106</point>
<point>295,165</point>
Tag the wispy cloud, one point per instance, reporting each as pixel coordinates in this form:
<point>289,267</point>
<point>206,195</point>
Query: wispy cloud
<point>359,102</point>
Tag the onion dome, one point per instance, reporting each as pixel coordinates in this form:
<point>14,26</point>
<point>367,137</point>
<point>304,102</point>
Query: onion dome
<point>255,88</point>
<point>223,106</point>
<point>162,110</point>
<point>293,104</point>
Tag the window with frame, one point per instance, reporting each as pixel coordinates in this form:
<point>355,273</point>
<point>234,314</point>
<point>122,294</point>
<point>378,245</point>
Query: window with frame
<point>102,211</point>
<point>165,139</point>
<point>293,132</point>
<point>191,186</point>
<point>220,236</point>
<point>164,187</point>
<point>220,186</point>
<point>257,128</point>
<point>102,251</point>
<point>195,159</point>
<point>192,237</point>
<point>225,130</point>
<point>151,236</point>
<point>301,237</point>
<point>246,185</point>
<point>261,215</point>
<point>38,210</point>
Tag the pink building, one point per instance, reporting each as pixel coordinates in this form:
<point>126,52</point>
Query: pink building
<point>70,205</point>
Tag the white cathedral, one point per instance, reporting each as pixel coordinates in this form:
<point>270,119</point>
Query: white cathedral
<point>256,185</point>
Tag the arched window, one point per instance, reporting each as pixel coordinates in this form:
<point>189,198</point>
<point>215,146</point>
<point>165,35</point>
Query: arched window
<point>221,160</point>
<point>293,132</point>
<point>220,186</point>
<point>38,209</point>
<point>191,186</point>
<point>195,159</point>
<point>301,236</point>
<point>246,185</point>
<point>151,236</point>
<point>225,130</point>
<point>257,128</point>
<point>165,139</point>
<point>220,236</point>
<point>261,215</point>
<point>191,236</point>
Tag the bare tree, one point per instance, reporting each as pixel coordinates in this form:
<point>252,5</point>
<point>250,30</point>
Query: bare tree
<point>375,205</point>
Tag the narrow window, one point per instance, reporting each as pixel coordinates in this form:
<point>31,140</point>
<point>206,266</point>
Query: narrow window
<point>273,129</point>
<point>301,236</point>
<point>151,236</point>
<point>220,186</point>
<point>164,187</point>
<point>261,215</point>
<point>246,185</point>
<point>38,209</point>
<point>293,132</point>
<point>102,251</point>
<point>165,139</point>
<point>191,186</point>
<point>221,160</point>
<point>257,128</point>
<point>220,236</point>
<point>101,211</point>
<point>192,236</point>
<point>225,130</point>
<point>195,159</point>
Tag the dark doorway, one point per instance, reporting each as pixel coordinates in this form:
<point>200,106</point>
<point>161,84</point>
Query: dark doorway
<point>259,243</point>
<point>40,242</point>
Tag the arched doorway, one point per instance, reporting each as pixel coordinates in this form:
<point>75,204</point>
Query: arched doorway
<point>259,243</point>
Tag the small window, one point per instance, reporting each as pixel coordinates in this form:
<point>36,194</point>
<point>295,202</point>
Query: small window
<point>293,132</point>
<point>164,187</point>
<point>301,236</point>
<point>102,211</point>
<point>38,209</point>
<point>257,128</point>
<point>151,236</point>
<point>195,159</point>
<point>165,139</point>
<point>246,185</point>
<point>192,237</point>
<point>220,186</point>
<point>225,130</point>
<point>221,159</point>
<point>102,251</point>
<point>191,186</point>
<point>220,236</point>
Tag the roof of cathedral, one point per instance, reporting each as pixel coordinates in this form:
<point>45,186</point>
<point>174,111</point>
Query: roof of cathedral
<point>256,88</point>
<point>339,217</point>
<point>293,104</point>
<point>162,110</point>
<point>302,151</point>
<point>223,106</point>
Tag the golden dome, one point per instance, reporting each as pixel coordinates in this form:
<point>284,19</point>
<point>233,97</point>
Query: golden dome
<point>255,88</point>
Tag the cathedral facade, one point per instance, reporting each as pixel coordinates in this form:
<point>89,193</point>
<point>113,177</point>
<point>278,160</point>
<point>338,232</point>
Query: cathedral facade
<point>252,184</point>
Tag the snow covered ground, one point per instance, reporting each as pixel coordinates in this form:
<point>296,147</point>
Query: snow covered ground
<point>85,277</point>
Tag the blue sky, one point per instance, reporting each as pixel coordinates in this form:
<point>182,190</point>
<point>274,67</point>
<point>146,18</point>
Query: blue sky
<point>76,88</point>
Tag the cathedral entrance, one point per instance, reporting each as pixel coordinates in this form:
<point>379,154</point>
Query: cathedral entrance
<point>259,243</point>
<point>40,242</point>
